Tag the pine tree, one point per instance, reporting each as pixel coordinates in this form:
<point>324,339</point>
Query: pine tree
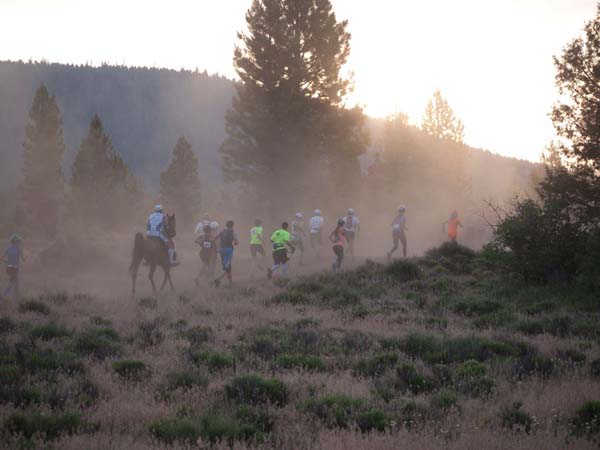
<point>180,184</point>
<point>573,172</point>
<point>440,122</point>
<point>289,66</point>
<point>104,190</point>
<point>42,187</point>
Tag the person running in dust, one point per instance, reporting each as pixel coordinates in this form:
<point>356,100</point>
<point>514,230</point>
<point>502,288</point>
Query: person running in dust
<point>338,239</point>
<point>202,224</point>
<point>298,235</point>
<point>281,243</point>
<point>256,245</point>
<point>315,225</point>
<point>398,232</point>
<point>208,253</point>
<point>351,228</point>
<point>452,225</point>
<point>12,257</point>
<point>227,240</point>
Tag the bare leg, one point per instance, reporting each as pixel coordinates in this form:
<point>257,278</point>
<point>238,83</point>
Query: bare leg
<point>162,286</point>
<point>171,281</point>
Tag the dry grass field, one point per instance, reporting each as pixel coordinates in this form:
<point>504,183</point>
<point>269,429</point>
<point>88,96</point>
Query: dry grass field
<point>432,352</point>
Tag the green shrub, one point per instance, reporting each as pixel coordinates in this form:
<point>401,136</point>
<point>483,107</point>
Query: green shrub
<point>44,361</point>
<point>292,297</point>
<point>258,418</point>
<point>99,342</point>
<point>376,365</point>
<point>356,341</point>
<point>373,419</point>
<point>101,322</point>
<point>215,361</point>
<point>149,333</point>
<point>334,410</point>
<point>58,298</point>
<point>515,419</point>
<point>340,296</point>
<point>476,307</point>
<point>587,419</point>
<point>7,325</point>
<point>572,356</point>
<point>471,378</point>
<point>213,428</point>
<point>130,370</point>
<point>50,331</point>
<point>445,400</point>
<point>409,379</point>
<point>255,390</point>
<point>595,369</point>
<point>533,364</point>
<point>452,256</point>
<point>198,335</point>
<point>413,414</point>
<point>50,426</point>
<point>148,302</point>
<point>293,361</point>
<point>184,380</point>
<point>402,271</point>
<point>34,306</point>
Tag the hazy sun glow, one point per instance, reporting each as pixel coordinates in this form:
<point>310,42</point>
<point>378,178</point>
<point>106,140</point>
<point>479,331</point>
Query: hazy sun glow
<point>491,59</point>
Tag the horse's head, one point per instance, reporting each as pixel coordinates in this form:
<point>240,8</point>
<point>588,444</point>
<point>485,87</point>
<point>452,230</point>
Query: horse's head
<point>170,230</point>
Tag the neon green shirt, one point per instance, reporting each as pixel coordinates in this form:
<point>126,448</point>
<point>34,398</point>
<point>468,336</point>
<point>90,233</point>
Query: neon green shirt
<point>256,236</point>
<point>279,239</point>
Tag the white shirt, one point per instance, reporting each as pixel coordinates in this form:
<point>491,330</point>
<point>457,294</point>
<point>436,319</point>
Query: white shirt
<point>201,225</point>
<point>315,224</point>
<point>155,224</point>
<point>351,223</point>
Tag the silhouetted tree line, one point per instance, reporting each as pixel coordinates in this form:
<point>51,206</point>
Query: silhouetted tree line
<point>557,238</point>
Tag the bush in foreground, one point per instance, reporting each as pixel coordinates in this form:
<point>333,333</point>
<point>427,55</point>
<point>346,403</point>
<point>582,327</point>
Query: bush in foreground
<point>255,390</point>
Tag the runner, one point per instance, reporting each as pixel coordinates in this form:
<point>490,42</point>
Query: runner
<point>281,243</point>
<point>298,235</point>
<point>256,245</point>
<point>338,239</point>
<point>208,254</point>
<point>13,256</point>
<point>227,240</point>
<point>315,224</point>
<point>351,228</point>
<point>398,232</point>
<point>452,224</point>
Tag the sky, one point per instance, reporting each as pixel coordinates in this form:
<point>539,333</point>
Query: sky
<point>492,59</point>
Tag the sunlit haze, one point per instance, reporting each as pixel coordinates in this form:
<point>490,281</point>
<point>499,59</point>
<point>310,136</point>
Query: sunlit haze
<point>492,60</point>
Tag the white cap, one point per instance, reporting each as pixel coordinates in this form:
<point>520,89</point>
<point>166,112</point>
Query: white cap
<point>158,208</point>
<point>299,215</point>
<point>401,208</point>
<point>350,211</point>
<point>317,212</point>
<point>214,225</point>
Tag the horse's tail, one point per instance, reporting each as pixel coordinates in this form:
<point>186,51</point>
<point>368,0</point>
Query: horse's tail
<point>138,253</point>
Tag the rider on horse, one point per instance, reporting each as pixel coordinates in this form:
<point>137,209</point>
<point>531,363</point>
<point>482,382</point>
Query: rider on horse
<point>156,228</point>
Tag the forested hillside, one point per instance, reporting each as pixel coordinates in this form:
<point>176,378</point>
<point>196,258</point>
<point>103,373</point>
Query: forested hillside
<point>144,111</point>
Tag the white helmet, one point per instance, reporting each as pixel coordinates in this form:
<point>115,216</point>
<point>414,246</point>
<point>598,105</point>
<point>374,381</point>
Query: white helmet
<point>350,211</point>
<point>317,212</point>
<point>299,215</point>
<point>214,225</point>
<point>401,208</point>
<point>158,208</point>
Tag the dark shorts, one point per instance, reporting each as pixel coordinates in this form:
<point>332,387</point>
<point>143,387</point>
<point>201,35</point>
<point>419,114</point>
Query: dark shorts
<point>13,273</point>
<point>207,256</point>
<point>280,256</point>
<point>256,249</point>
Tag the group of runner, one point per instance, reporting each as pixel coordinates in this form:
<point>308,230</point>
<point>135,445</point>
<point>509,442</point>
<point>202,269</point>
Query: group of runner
<point>291,238</point>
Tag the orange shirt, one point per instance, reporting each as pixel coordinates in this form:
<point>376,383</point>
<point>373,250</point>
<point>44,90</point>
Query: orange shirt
<point>453,228</point>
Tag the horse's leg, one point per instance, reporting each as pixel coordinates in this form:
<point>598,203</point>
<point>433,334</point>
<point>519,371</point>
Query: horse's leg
<point>170,281</point>
<point>166,271</point>
<point>151,277</point>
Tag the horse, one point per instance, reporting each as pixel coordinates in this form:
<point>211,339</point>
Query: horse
<point>155,253</point>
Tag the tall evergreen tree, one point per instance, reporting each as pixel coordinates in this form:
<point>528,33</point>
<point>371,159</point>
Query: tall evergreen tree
<point>289,65</point>
<point>42,187</point>
<point>104,190</point>
<point>440,121</point>
<point>180,184</point>
<point>573,172</point>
